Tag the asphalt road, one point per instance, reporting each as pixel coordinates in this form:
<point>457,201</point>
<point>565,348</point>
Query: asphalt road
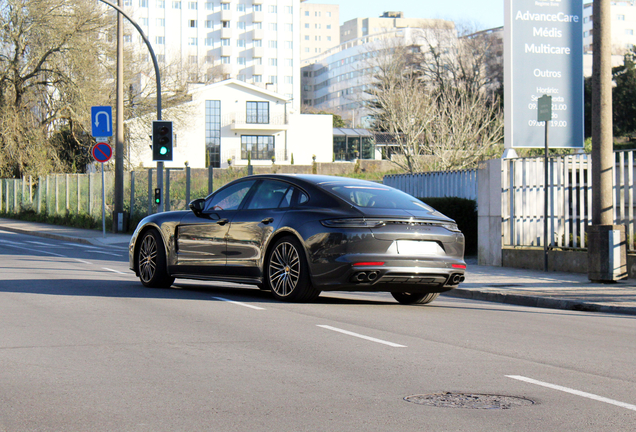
<point>85,347</point>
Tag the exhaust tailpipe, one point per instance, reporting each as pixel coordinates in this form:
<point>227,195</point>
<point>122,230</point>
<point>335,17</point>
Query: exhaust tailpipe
<point>373,276</point>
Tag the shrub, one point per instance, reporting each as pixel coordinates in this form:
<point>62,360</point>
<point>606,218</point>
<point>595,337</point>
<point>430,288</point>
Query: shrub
<point>464,212</point>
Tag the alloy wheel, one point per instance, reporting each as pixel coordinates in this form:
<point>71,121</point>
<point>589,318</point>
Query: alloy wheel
<point>148,258</point>
<point>284,269</point>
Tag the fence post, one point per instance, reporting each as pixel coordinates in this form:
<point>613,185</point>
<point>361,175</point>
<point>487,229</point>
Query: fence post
<point>187,186</point>
<point>150,191</point>
<point>210,179</point>
<point>167,194</point>
<point>15,196</point>
<point>79,194</point>
<point>132,197</point>
<point>57,189</point>
<point>39,195</point>
<point>68,189</point>
<point>90,193</point>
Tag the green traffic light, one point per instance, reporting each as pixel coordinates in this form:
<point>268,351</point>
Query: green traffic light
<point>157,200</point>
<point>163,150</point>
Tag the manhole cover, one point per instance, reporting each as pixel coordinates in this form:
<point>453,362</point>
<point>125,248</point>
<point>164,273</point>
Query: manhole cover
<point>469,400</point>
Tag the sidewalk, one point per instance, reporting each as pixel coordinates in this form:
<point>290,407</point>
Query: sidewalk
<point>556,290</point>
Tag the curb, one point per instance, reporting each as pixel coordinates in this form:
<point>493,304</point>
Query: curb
<point>541,302</point>
<point>91,242</point>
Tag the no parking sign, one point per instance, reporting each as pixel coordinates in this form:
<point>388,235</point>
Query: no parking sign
<point>102,152</point>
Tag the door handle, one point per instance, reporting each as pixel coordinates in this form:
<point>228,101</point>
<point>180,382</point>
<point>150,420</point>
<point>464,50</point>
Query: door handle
<point>267,220</point>
<point>222,221</point>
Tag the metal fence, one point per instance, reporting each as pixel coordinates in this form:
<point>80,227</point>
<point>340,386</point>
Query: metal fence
<point>569,200</point>
<point>439,184</point>
<point>81,194</point>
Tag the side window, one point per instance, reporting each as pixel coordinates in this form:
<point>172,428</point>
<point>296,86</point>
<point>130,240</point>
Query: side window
<point>302,198</point>
<point>269,195</point>
<point>287,199</point>
<point>229,198</point>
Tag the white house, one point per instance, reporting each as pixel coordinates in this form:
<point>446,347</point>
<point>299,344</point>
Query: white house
<point>229,120</point>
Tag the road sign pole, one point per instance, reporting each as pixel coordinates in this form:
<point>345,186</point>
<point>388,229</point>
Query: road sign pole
<point>544,114</point>
<point>103,204</point>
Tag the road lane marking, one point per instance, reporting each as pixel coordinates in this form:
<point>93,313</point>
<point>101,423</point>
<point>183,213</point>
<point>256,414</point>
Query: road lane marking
<point>82,261</point>
<point>239,303</point>
<point>574,392</point>
<point>362,336</point>
<point>115,271</point>
<point>41,243</point>
<point>14,245</point>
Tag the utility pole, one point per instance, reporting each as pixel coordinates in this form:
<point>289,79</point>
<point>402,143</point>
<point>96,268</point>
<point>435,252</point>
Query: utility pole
<point>606,242</point>
<point>118,216</point>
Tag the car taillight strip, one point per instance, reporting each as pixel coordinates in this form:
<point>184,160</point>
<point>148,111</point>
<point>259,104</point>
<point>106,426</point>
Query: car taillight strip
<point>459,266</point>
<point>370,263</point>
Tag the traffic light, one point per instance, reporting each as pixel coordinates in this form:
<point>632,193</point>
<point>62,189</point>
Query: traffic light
<point>157,196</point>
<point>161,140</point>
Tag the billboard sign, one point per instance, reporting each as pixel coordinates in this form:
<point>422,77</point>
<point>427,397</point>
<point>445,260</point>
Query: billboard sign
<point>543,55</point>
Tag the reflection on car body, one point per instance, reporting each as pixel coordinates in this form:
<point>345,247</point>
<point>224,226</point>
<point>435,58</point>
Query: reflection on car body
<point>299,235</point>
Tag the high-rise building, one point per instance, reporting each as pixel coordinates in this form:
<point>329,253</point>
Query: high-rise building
<point>254,41</point>
<point>319,28</point>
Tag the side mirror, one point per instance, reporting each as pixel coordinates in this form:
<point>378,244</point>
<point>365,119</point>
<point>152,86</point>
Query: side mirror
<point>197,206</point>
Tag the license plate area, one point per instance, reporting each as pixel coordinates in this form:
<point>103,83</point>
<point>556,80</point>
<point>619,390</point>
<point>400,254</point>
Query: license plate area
<point>419,248</point>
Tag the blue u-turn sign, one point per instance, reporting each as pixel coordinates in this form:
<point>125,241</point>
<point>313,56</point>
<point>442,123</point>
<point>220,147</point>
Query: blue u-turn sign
<point>101,121</point>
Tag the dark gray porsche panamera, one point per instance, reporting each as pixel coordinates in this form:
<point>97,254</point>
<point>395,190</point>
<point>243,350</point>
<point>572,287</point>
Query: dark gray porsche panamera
<point>299,235</point>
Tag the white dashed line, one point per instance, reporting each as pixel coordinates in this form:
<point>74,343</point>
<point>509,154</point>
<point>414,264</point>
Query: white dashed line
<point>574,392</point>
<point>238,303</point>
<point>362,336</point>
<point>115,271</point>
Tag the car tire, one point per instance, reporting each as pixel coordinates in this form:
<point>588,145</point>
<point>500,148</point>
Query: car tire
<point>406,298</point>
<point>151,261</point>
<point>287,272</point>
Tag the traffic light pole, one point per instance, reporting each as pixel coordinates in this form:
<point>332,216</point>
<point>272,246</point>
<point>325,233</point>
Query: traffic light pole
<point>158,79</point>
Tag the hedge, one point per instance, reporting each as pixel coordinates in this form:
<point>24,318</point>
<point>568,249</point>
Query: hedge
<point>464,212</point>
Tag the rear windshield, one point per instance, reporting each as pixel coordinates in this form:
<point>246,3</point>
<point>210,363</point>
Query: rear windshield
<point>377,197</point>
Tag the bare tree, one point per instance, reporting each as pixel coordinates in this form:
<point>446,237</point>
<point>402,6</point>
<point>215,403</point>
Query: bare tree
<point>447,117</point>
<point>49,71</point>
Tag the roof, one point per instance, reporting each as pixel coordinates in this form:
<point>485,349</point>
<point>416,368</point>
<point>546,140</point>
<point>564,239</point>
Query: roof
<point>351,132</point>
<point>242,84</point>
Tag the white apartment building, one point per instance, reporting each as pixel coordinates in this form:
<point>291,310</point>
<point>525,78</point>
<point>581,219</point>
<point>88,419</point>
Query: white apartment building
<point>319,28</point>
<point>623,17</point>
<point>336,80</point>
<point>254,41</point>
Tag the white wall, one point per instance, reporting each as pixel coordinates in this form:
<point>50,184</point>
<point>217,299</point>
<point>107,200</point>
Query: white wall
<point>310,134</point>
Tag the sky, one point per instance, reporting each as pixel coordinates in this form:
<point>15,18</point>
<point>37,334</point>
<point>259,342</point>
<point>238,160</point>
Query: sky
<point>477,14</point>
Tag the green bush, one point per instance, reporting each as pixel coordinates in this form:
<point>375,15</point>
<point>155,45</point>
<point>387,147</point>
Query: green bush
<point>464,212</point>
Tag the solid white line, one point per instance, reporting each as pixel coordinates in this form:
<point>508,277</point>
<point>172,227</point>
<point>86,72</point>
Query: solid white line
<point>116,271</point>
<point>574,392</point>
<point>82,261</point>
<point>238,303</point>
<point>362,336</point>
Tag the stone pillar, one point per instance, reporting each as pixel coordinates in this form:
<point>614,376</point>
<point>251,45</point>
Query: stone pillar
<point>489,213</point>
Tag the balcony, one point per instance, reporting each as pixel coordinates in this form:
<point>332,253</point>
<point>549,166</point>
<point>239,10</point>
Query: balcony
<point>257,16</point>
<point>226,33</point>
<point>257,2</point>
<point>258,70</point>
<point>257,34</point>
<point>226,51</point>
<point>258,52</point>
<point>238,122</point>
<point>226,15</point>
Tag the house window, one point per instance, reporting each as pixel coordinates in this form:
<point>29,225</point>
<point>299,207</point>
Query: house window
<point>289,62</point>
<point>289,27</point>
<point>258,25</point>
<point>225,24</point>
<point>225,60</point>
<point>306,13</point>
<point>240,43</point>
<point>241,77</point>
<point>273,62</point>
<point>225,6</point>
<point>258,43</point>
<point>273,27</point>
<point>192,41</point>
<point>258,78</point>
<point>160,40</point>
<point>289,45</point>
<point>161,4</point>
<point>225,42</point>
<point>306,37</point>
<point>258,8</point>
<point>629,32</point>
<point>260,147</point>
<point>176,5</point>
<point>193,5</point>
<point>161,22</point>
<point>240,7</point>
<point>273,79</point>
<point>143,3</point>
<point>213,133</point>
<point>258,60</point>
<point>257,112</point>
<point>240,25</point>
<point>209,41</point>
<point>272,44</point>
<point>621,17</point>
<point>289,80</point>
<point>209,6</point>
<point>306,25</point>
<point>208,24</point>
<point>127,38</point>
<point>193,23</point>
<point>289,9</point>
<point>240,61</point>
<point>272,9</point>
